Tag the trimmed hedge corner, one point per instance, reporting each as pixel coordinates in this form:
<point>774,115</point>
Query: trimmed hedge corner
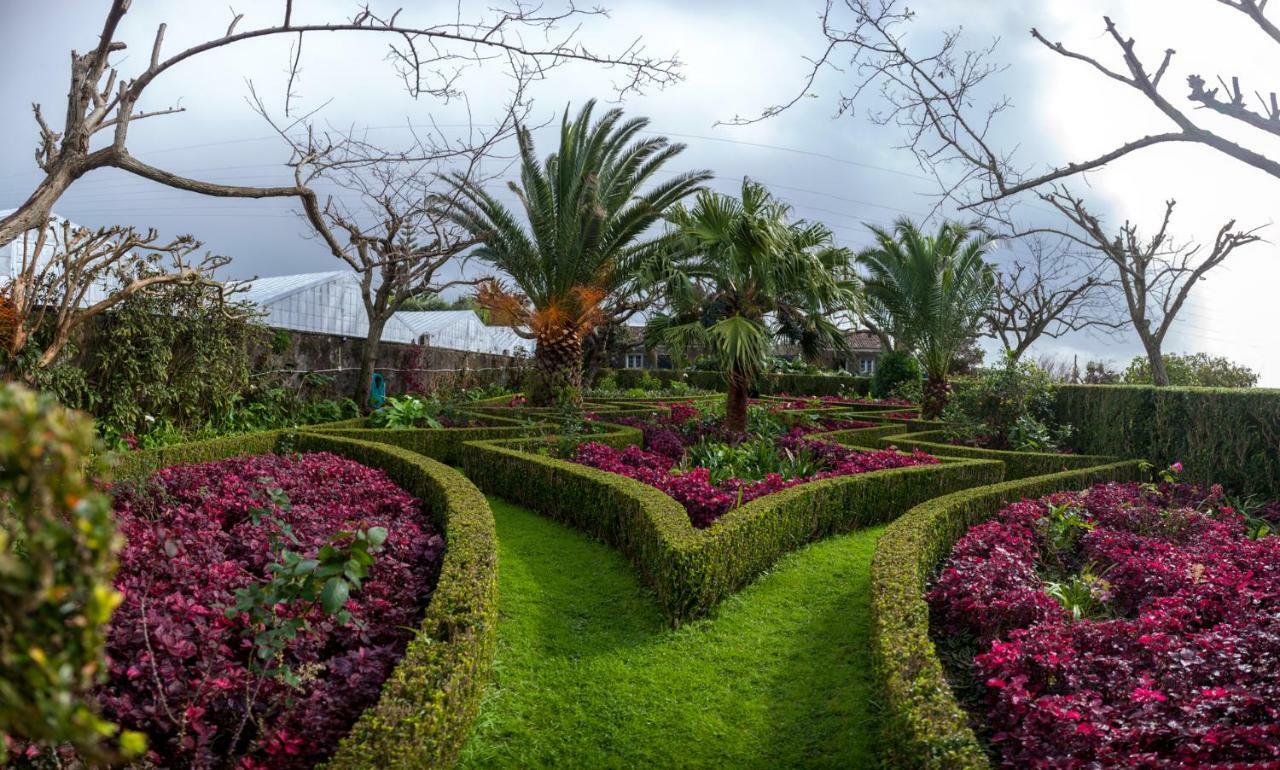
<point>1224,435</point>
<point>1018,465</point>
<point>690,569</point>
<point>924,726</point>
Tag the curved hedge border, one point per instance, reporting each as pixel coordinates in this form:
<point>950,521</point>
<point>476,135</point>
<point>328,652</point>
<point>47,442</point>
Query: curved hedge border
<point>924,726</point>
<point>431,698</point>
<point>690,569</point>
<point>1020,465</point>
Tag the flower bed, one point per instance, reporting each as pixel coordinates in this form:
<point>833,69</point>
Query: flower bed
<point>706,501</point>
<point>182,667</point>
<point>1126,625</point>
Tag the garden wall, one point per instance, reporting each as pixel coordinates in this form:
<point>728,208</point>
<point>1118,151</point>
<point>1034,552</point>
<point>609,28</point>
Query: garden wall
<point>1226,436</point>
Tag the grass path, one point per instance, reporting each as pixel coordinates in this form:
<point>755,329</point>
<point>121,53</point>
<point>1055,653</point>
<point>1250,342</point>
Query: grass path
<point>588,675</point>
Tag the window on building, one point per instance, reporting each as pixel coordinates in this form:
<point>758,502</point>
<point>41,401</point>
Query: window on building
<point>866,365</point>
<point>635,360</point>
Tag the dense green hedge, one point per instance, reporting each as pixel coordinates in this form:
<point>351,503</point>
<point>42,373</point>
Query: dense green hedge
<point>690,569</point>
<point>432,697</point>
<point>1226,436</point>
<point>924,726</point>
<point>438,443</point>
<point>430,700</point>
<point>1019,465</point>
<point>794,384</point>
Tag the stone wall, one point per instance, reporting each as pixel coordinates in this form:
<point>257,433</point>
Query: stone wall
<point>287,357</point>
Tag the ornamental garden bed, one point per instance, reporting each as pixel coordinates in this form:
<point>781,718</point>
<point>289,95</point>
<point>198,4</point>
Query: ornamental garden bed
<point>1124,625</point>
<point>690,568</point>
<point>202,658</point>
<point>391,677</point>
<point>692,457</point>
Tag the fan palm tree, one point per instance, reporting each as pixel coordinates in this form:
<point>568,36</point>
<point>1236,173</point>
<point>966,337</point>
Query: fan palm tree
<point>581,237</point>
<point>931,292</point>
<point>740,275</point>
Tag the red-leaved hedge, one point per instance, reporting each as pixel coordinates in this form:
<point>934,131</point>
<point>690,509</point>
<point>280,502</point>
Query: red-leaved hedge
<point>179,667</point>
<point>1177,661</point>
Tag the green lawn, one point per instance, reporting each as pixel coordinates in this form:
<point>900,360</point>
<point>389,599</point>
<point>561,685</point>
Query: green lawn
<point>588,675</point>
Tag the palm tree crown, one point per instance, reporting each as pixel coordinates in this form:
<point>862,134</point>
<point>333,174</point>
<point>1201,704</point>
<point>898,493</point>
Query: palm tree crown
<point>582,233</point>
<point>930,291</point>
<point>742,274</point>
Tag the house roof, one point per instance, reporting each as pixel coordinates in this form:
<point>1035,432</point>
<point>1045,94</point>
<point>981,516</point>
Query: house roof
<point>863,341</point>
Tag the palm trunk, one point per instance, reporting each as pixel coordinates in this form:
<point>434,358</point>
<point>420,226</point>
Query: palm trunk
<point>557,368</point>
<point>735,406</point>
<point>937,391</point>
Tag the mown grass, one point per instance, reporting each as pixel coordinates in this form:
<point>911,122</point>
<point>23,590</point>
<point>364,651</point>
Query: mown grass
<point>588,675</point>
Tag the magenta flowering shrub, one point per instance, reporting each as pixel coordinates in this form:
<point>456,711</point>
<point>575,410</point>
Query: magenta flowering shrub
<point>179,668</point>
<point>706,502</point>
<point>1176,665</point>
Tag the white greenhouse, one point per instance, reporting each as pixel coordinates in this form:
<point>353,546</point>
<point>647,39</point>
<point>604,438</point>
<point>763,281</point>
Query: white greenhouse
<point>329,303</point>
<point>14,255</point>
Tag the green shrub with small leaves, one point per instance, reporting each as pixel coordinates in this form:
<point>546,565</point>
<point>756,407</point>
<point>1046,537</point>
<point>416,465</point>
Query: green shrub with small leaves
<point>893,369</point>
<point>57,560</point>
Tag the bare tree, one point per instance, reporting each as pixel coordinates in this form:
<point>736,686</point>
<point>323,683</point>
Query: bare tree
<point>932,95</point>
<point>1050,292</point>
<point>67,275</point>
<point>429,58</point>
<point>1155,274</point>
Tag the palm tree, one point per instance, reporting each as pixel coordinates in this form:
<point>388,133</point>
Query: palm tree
<point>932,292</point>
<point>581,238</point>
<point>740,276</point>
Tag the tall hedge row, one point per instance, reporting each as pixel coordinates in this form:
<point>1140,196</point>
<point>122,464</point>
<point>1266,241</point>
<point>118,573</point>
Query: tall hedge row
<point>689,569</point>
<point>924,726</point>
<point>1226,436</point>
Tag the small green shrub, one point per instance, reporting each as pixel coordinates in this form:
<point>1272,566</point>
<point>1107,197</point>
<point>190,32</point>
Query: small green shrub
<point>893,369</point>
<point>57,560</point>
<point>1008,407</point>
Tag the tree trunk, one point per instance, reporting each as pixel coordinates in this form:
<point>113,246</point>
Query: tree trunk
<point>368,357</point>
<point>557,368</point>
<point>735,404</point>
<point>1159,375</point>
<point>937,391</point>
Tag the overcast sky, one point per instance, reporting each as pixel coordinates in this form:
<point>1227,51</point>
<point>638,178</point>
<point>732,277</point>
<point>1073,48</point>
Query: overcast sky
<point>739,57</point>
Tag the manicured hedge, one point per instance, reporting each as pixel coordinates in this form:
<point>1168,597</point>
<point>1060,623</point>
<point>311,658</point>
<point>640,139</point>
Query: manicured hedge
<point>1019,465</point>
<point>1227,436</point>
<point>924,726</point>
<point>440,444</point>
<point>690,569</point>
<point>431,698</point>
<point>794,384</point>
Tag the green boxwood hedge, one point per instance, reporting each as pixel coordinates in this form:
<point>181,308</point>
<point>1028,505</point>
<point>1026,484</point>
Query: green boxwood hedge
<point>689,569</point>
<point>430,700</point>
<point>924,726</point>
<point>793,384</point>
<point>432,697</point>
<point>1221,435</point>
<point>440,444</point>
<point>1019,465</point>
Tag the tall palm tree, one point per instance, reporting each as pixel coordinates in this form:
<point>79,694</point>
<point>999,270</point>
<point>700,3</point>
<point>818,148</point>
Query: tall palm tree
<point>581,237</point>
<point>932,292</point>
<point>741,275</point>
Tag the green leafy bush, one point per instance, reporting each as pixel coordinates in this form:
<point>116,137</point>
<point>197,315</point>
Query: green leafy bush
<point>1194,370</point>
<point>893,369</point>
<point>404,412</point>
<point>57,559</point>
<point>1008,407</point>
